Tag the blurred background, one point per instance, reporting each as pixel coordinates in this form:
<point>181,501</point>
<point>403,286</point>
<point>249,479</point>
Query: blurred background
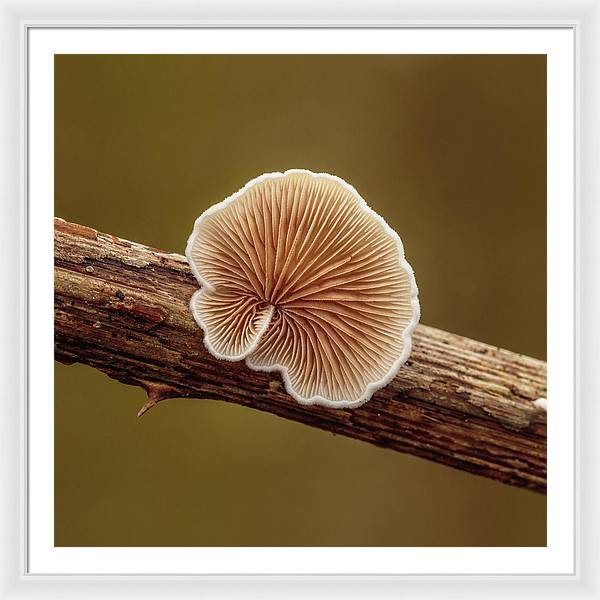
<point>451,150</point>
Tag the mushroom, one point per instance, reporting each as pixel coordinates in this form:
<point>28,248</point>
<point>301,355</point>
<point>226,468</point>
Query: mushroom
<point>299,275</point>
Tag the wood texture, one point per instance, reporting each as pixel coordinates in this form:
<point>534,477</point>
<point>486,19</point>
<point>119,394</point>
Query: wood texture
<point>123,308</point>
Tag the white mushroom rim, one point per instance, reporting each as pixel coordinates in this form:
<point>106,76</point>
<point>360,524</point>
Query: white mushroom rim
<point>301,276</point>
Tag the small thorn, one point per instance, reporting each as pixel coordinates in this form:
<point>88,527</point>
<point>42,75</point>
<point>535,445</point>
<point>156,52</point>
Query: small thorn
<point>147,406</point>
<point>156,392</point>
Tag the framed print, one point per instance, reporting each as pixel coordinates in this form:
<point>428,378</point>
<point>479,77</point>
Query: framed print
<point>301,305</point>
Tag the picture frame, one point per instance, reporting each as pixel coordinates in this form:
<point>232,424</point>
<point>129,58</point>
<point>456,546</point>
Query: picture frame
<point>583,20</point>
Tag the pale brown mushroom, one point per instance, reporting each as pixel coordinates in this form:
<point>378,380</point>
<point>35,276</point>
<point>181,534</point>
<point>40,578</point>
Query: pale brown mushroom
<point>299,275</point>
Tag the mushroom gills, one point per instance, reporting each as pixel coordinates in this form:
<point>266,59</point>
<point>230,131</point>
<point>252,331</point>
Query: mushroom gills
<point>300,276</point>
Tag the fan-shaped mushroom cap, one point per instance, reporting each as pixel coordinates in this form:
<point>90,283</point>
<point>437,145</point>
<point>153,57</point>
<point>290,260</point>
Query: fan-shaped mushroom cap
<point>299,275</point>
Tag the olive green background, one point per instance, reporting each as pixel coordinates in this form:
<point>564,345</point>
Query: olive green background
<point>451,150</point>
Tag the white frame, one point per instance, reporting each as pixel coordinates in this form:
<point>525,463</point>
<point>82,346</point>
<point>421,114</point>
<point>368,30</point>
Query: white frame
<point>582,16</point>
<point>556,558</point>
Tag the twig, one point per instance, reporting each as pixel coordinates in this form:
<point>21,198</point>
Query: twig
<point>123,308</point>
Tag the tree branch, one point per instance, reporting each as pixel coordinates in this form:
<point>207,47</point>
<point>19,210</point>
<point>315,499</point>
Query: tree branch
<point>123,308</point>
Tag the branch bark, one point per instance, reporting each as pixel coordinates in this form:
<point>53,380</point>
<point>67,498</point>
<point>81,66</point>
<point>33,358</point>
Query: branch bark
<point>123,308</point>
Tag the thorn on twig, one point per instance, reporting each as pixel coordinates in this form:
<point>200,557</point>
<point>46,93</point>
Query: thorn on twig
<point>156,392</point>
<point>150,402</point>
